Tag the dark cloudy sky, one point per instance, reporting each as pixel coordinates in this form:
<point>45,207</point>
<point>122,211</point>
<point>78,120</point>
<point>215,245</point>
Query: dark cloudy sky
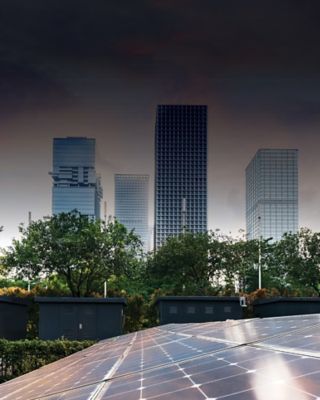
<point>98,68</point>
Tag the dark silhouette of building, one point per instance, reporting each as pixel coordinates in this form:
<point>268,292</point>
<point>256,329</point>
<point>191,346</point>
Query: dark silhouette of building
<point>180,170</point>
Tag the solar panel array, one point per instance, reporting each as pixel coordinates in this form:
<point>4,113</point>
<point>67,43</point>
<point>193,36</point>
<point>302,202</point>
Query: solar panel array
<point>260,359</point>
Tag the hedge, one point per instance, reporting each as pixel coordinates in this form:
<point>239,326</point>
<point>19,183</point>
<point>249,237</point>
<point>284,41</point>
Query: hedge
<point>22,356</point>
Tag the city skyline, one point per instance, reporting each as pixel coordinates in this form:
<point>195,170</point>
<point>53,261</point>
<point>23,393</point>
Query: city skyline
<point>110,213</point>
<point>100,70</point>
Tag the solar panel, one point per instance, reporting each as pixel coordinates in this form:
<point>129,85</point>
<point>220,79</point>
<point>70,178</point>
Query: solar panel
<point>273,358</point>
<point>251,330</point>
<point>305,341</point>
<point>235,371</point>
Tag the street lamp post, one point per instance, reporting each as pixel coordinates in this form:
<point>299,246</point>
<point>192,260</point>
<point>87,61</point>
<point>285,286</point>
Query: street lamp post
<point>259,262</point>
<point>259,253</point>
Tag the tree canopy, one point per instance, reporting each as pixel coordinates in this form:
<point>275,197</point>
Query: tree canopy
<point>204,263</point>
<point>83,252</point>
<point>297,259</point>
<point>71,251</point>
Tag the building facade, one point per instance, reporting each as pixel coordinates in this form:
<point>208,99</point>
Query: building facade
<point>76,185</point>
<point>132,204</point>
<point>180,170</point>
<point>272,194</point>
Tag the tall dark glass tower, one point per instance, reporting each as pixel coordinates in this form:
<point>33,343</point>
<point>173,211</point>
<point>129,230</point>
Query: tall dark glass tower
<point>180,170</point>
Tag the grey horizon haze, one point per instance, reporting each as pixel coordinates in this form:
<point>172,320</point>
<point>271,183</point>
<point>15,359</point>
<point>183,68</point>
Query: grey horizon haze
<point>100,69</point>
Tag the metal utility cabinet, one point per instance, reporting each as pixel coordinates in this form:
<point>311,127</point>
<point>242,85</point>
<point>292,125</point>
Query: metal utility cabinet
<point>13,318</point>
<point>183,309</point>
<point>282,306</point>
<point>80,318</point>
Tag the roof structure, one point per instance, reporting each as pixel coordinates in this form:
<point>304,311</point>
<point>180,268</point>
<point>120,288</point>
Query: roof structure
<point>198,298</point>
<point>257,359</point>
<point>108,300</point>
<point>14,300</point>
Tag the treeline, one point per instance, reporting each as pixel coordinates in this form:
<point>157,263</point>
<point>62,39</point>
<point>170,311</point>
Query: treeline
<point>71,255</point>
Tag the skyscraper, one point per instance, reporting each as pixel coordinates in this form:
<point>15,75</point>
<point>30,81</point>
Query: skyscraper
<point>272,193</point>
<point>180,170</point>
<point>75,182</point>
<point>131,204</point>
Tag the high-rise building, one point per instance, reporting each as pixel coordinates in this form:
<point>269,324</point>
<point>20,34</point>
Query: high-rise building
<point>76,185</point>
<point>131,204</point>
<point>272,194</point>
<point>180,170</point>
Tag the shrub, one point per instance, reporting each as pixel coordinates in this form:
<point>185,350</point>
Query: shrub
<point>22,356</point>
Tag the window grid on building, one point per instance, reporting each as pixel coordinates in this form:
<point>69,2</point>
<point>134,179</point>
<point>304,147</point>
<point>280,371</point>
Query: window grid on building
<point>181,170</point>
<point>272,194</point>
<point>76,186</point>
<point>132,204</point>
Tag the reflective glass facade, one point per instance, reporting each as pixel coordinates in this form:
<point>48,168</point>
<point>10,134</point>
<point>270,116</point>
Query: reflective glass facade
<point>272,193</point>
<point>180,170</point>
<point>131,204</point>
<point>75,183</point>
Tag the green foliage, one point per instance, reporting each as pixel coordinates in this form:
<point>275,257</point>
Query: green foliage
<point>135,314</point>
<point>6,282</point>
<point>181,265</point>
<point>22,356</point>
<point>70,254</point>
<point>81,252</point>
<point>206,263</point>
<point>297,259</point>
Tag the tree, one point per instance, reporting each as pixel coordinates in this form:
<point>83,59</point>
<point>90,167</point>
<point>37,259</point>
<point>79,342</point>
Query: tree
<point>297,259</point>
<point>181,265</point>
<point>77,249</point>
<point>240,268</point>
<point>234,261</point>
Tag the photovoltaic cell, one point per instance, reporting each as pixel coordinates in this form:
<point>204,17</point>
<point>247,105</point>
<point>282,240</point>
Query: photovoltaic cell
<point>305,341</point>
<point>81,368</point>
<point>82,393</point>
<point>273,358</point>
<point>244,370</point>
<point>155,354</point>
<point>253,330</point>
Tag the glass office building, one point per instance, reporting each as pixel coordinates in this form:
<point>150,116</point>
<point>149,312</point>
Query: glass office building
<point>272,193</point>
<point>75,182</point>
<point>180,170</point>
<point>131,204</point>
